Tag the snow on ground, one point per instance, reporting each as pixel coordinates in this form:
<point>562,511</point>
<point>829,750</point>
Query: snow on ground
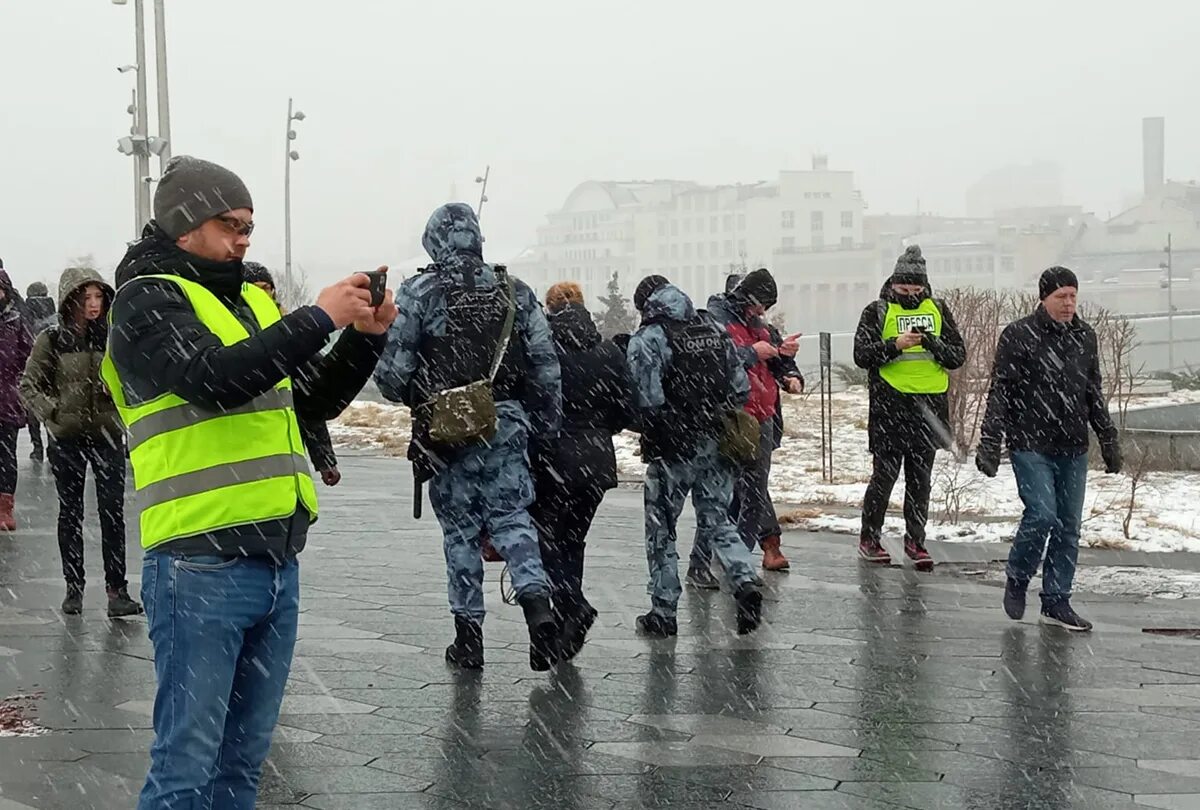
<point>966,506</point>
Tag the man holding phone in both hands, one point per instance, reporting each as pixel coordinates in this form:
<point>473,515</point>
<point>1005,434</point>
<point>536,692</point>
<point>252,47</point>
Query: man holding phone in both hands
<point>908,341</point>
<point>210,381</point>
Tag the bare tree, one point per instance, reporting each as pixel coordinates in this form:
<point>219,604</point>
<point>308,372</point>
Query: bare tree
<point>296,294</point>
<point>979,315</point>
<point>1137,464</point>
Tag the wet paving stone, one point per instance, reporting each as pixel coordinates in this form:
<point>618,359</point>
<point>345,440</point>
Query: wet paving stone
<point>868,689</point>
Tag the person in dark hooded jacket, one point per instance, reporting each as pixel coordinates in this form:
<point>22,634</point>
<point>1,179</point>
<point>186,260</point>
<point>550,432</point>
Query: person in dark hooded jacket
<point>16,341</point>
<point>572,473</point>
<point>62,387</point>
<point>908,341</point>
<point>43,314</point>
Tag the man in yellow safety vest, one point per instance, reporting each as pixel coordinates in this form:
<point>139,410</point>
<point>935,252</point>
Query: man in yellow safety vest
<point>209,378</point>
<point>908,341</point>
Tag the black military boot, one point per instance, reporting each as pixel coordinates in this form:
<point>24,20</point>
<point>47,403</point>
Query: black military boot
<point>467,650</point>
<point>749,608</point>
<point>543,632</point>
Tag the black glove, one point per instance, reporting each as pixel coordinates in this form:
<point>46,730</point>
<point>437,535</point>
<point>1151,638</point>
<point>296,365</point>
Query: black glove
<point>987,458</point>
<point>1111,451</point>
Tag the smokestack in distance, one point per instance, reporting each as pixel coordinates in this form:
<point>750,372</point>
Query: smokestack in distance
<point>1153,154</point>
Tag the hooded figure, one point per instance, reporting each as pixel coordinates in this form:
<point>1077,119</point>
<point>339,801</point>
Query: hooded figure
<point>42,311</point>
<point>62,387</point>
<point>448,333</point>
<point>572,473</point>
<point>15,344</point>
<point>908,341</point>
<point>687,377</point>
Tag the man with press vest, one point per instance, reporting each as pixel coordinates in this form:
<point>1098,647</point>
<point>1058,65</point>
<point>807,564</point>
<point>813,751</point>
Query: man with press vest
<point>908,341</point>
<point>209,380</point>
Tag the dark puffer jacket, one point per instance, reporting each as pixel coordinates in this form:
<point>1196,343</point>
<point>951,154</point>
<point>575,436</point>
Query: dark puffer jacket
<point>1046,388</point>
<point>61,384</point>
<point>905,422</point>
<point>597,402</point>
<point>15,344</point>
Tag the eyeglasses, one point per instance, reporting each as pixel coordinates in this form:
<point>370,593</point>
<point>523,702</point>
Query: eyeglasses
<point>235,225</point>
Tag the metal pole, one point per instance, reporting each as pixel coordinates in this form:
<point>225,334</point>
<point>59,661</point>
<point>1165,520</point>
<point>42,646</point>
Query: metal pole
<point>483,192</point>
<point>142,155</point>
<point>1170,310</point>
<point>287,202</point>
<point>137,180</point>
<point>160,77</point>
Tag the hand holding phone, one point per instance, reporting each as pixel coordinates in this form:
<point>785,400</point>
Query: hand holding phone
<point>378,288</point>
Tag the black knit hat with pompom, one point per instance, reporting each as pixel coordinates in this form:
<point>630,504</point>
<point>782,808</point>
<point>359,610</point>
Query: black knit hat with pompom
<point>910,267</point>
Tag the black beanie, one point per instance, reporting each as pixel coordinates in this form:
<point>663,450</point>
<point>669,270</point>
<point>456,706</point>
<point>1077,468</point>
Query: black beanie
<point>255,273</point>
<point>648,286</point>
<point>758,287</point>
<point>731,282</point>
<point>36,290</point>
<point>193,191</point>
<point>910,267</point>
<point>1055,278</point>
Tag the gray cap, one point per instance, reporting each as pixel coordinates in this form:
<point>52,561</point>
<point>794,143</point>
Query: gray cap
<point>193,191</point>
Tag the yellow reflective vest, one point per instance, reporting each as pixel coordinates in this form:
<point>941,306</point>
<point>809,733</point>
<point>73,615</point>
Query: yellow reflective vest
<point>914,371</point>
<point>198,470</point>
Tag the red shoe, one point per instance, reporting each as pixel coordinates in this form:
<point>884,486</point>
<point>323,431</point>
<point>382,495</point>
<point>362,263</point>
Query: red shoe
<point>773,559</point>
<point>870,550</point>
<point>7,522</point>
<point>917,553</point>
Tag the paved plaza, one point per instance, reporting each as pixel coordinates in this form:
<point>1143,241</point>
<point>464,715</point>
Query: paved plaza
<point>867,689</point>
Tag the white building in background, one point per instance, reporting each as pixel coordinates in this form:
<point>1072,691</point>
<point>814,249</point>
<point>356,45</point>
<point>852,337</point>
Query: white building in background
<point>691,233</point>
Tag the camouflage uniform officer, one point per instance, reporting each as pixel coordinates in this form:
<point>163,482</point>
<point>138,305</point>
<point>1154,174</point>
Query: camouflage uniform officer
<point>446,336</point>
<point>687,375</point>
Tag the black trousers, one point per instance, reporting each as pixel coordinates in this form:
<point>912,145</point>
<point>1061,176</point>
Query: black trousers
<point>563,519</point>
<point>8,459</point>
<point>918,483</point>
<point>69,460</point>
<point>35,434</point>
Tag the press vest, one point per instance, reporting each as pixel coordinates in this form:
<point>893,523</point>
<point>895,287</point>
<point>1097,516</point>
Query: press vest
<point>914,371</point>
<point>198,470</point>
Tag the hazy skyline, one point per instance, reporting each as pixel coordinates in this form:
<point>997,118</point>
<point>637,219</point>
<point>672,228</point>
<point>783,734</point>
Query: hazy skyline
<point>404,99</point>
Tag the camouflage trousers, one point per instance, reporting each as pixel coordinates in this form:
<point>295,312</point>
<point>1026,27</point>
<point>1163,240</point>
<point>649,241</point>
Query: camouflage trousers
<point>488,488</point>
<point>710,481</point>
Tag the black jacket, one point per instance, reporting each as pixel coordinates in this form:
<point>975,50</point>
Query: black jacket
<point>1046,388</point>
<point>597,403</point>
<point>159,346</point>
<point>905,422</point>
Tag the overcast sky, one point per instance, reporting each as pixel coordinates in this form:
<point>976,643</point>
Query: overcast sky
<point>406,100</point>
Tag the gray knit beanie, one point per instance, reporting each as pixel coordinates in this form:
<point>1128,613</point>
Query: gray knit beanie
<point>193,191</point>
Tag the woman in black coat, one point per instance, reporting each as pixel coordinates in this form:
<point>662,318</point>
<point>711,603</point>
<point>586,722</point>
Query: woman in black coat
<point>572,474</point>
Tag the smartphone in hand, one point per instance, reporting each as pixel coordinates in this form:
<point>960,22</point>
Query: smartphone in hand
<point>378,287</point>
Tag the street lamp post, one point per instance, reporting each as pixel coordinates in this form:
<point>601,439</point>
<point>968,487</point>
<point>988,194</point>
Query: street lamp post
<point>160,79</point>
<point>487,172</point>
<point>290,154</point>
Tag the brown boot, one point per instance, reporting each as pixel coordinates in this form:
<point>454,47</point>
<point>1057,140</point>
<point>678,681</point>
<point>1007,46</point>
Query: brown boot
<point>773,559</point>
<point>7,522</point>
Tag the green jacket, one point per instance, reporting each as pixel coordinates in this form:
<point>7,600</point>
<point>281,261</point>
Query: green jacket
<point>61,384</point>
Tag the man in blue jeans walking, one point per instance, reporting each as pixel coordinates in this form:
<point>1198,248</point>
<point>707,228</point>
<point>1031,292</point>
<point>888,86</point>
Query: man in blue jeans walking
<point>1046,391</point>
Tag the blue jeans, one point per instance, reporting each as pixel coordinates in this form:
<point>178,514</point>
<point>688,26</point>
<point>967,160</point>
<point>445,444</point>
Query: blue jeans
<point>709,479</point>
<point>223,632</point>
<point>1052,487</point>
